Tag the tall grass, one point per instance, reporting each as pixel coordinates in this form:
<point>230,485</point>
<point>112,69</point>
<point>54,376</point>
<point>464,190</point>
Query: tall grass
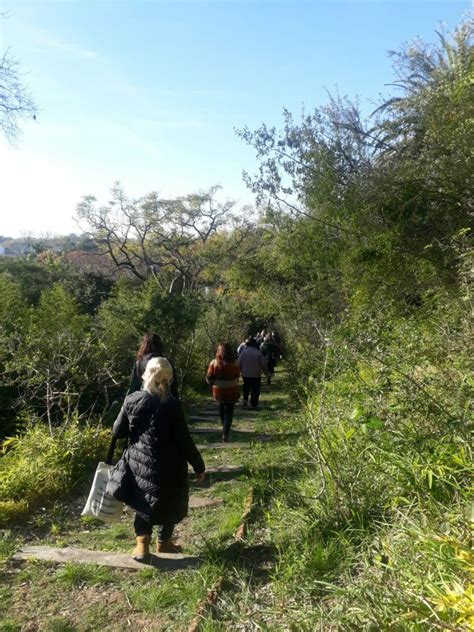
<point>37,467</point>
<point>379,535</point>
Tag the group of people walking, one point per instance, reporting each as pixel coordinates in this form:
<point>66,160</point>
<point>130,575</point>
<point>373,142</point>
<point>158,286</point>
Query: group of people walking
<point>253,359</point>
<point>151,475</point>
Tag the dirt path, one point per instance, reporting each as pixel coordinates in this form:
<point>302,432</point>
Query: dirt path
<point>75,597</point>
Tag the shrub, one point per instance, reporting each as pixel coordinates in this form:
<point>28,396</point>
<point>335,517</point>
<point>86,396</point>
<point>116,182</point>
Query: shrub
<point>38,467</point>
<point>379,534</point>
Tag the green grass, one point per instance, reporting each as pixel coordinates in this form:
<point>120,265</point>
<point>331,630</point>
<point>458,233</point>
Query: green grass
<point>159,600</point>
<point>60,625</point>
<point>8,625</point>
<point>37,468</point>
<point>71,575</point>
<point>172,593</point>
<point>8,544</point>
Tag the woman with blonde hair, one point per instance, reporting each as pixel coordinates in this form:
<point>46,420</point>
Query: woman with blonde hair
<point>152,474</point>
<point>151,346</point>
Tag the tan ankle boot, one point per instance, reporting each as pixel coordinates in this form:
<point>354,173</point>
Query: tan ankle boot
<point>142,548</point>
<point>168,546</point>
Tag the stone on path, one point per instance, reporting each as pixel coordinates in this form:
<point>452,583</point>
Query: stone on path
<point>201,502</point>
<point>223,469</point>
<point>209,420</point>
<point>236,445</point>
<point>163,561</point>
<point>247,432</point>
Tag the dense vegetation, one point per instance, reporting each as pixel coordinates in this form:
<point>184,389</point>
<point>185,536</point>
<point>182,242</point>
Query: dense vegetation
<point>362,257</point>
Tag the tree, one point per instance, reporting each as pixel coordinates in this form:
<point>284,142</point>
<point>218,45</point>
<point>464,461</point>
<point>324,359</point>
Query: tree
<point>171,240</point>
<point>387,193</point>
<point>50,356</point>
<point>16,102</point>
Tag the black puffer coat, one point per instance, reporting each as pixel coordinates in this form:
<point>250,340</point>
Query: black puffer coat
<point>152,474</point>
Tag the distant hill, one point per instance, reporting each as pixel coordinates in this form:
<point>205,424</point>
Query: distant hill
<point>18,246</point>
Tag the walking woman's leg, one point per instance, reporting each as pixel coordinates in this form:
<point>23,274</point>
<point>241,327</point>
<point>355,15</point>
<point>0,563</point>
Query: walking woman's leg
<point>143,531</point>
<point>229,414</point>
<point>164,543</point>
<point>165,531</point>
<point>247,381</point>
<point>271,370</point>
<point>142,527</point>
<point>256,386</point>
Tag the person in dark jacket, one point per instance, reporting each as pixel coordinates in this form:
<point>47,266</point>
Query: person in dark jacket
<point>223,375</point>
<point>269,351</point>
<point>152,475</point>
<point>151,346</point>
<point>260,337</point>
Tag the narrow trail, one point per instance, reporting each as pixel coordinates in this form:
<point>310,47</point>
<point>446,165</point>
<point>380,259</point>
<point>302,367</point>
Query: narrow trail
<point>218,534</point>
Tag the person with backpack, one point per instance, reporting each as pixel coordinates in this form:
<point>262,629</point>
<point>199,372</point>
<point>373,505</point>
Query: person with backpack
<point>223,375</point>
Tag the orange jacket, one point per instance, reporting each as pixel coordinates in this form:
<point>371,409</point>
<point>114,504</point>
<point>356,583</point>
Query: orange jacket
<point>224,379</point>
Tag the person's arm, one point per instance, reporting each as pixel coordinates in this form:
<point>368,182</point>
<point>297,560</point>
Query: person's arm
<point>186,444</point>
<point>210,374</point>
<point>121,427</point>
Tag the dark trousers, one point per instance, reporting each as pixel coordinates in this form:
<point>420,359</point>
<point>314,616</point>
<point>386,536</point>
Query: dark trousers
<point>143,527</point>
<point>252,386</point>
<point>226,411</point>
<point>271,366</point>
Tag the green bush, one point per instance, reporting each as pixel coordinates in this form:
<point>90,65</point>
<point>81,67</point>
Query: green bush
<point>38,467</point>
<point>379,534</point>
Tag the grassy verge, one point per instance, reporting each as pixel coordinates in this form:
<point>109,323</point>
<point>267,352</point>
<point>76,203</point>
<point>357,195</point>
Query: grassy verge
<point>365,522</point>
<point>41,594</point>
<point>356,524</point>
<point>38,467</point>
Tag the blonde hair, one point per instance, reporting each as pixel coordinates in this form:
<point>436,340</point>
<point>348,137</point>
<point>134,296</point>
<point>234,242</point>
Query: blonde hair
<point>158,377</point>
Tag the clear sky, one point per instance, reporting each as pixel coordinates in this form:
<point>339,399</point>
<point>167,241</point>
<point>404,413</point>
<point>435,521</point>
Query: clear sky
<point>149,93</point>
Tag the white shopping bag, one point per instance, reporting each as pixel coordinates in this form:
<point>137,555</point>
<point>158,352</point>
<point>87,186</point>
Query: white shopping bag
<point>101,505</point>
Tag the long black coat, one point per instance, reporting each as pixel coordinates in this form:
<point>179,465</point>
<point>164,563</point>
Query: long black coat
<point>152,474</point>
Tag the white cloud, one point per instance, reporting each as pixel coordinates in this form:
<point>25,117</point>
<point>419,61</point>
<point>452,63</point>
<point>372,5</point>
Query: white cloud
<point>44,41</point>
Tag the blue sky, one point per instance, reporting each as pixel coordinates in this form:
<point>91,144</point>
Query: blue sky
<point>149,93</point>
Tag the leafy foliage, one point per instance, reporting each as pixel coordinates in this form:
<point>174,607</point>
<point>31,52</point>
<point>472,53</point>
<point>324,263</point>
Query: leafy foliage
<point>37,466</point>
